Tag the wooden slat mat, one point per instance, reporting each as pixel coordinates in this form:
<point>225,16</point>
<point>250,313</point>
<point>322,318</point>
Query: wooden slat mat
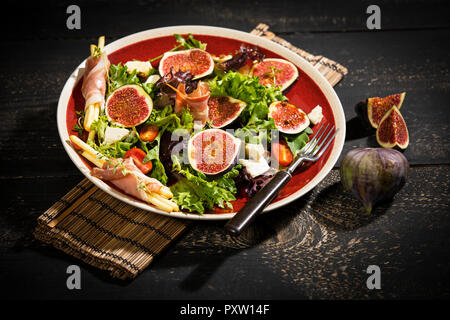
<point>105,232</point>
<point>111,235</point>
<point>330,69</point>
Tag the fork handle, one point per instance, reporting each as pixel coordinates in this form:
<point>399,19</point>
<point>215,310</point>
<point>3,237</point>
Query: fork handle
<point>257,203</point>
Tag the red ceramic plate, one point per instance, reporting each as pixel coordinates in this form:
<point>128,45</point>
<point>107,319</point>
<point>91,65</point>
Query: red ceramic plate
<point>311,89</point>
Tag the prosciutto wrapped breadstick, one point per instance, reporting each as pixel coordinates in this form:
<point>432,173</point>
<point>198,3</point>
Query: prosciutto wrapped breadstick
<point>126,176</point>
<point>94,83</point>
<point>88,152</point>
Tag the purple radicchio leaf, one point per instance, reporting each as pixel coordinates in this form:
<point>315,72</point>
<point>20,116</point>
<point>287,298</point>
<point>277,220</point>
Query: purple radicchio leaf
<point>240,57</point>
<point>250,186</point>
<point>175,78</point>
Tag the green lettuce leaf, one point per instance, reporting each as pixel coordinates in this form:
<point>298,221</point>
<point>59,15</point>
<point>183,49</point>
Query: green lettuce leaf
<point>184,195</point>
<point>296,142</point>
<point>165,116</point>
<point>190,42</point>
<point>165,120</point>
<point>195,192</point>
<point>119,76</point>
<point>100,126</point>
<point>248,89</point>
<point>227,180</point>
<point>117,149</point>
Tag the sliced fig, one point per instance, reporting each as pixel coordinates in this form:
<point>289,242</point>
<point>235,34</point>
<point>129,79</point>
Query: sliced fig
<point>197,61</point>
<point>392,130</point>
<point>277,72</point>
<point>213,151</point>
<point>129,106</point>
<point>224,110</point>
<point>377,107</point>
<point>288,118</point>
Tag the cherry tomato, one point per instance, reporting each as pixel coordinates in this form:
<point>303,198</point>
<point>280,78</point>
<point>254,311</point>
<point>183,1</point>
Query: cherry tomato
<point>138,156</point>
<point>282,153</point>
<point>149,133</point>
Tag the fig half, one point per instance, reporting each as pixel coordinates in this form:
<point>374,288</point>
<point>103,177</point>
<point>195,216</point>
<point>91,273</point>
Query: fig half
<point>213,151</point>
<point>197,61</point>
<point>129,106</point>
<point>288,118</point>
<point>276,72</point>
<point>222,111</point>
<point>392,130</point>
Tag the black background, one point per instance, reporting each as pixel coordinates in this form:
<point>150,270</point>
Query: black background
<point>317,247</point>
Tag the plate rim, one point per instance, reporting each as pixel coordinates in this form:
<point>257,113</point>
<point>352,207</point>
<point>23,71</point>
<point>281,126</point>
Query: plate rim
<point>323,84</point>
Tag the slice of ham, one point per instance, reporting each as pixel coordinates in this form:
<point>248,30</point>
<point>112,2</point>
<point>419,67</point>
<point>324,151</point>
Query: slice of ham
<point>124,174</point>
<point>94,80</point>
<point>197,101</point>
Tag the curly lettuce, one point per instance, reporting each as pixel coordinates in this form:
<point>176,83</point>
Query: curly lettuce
<point>257,126</point>
<point>296,142</point>
<point>166,117</point>
<point>194,191</point>
<point>248,89</point>
<point>166,121</point>
<point>119,76</point>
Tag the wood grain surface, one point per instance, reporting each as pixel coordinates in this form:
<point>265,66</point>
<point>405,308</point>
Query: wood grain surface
<point>318,246</point>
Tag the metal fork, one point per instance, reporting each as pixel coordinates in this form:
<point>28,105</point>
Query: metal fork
<point>312,151</point>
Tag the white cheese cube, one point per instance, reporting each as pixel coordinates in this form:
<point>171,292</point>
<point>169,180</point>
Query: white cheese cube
<point>315,116</point>
<point>153,78</point>
<point>112,135</point>
<point>255,168</point>
<point>254,151</point>
<point>142,67</point>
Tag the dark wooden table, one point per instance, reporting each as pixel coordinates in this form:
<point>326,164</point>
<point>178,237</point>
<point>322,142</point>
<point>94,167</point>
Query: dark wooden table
<point>317,247</point>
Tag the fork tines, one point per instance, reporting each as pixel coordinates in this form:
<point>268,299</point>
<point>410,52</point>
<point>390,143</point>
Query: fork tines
<point>316,147</point>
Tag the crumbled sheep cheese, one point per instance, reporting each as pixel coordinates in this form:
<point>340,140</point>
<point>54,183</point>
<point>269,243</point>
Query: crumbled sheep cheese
<point>255,151</point>
<point>198,125</point>
<point>315,116</point>
<point>256,163</point>
<point>222,58</point>
<point>142,67</point>
<point>153,78</point>
<point>255,167</point>
<point>112,135</point>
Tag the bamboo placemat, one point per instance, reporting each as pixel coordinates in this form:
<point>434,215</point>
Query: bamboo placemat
<point>330,69</point>
<point>111,235</point>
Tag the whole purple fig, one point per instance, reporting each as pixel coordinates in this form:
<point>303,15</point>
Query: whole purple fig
<point>373,175</point>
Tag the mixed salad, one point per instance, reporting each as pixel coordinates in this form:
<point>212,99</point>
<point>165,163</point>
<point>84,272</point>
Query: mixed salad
<point>188,130</point>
